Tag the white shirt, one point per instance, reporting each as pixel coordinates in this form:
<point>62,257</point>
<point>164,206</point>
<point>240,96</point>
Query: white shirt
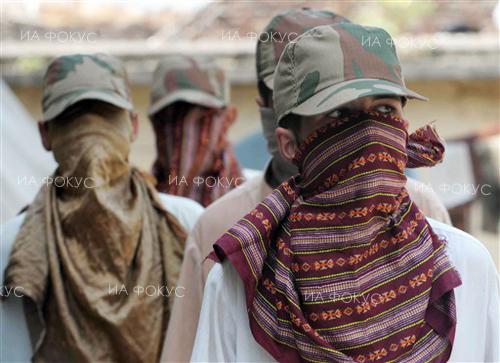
<point>15,345</point>
<point>224,331</point>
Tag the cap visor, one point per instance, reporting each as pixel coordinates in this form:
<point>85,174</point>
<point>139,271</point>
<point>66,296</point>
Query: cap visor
<point>191,96</point>
<point>80,95</point>
<point>341,93</point>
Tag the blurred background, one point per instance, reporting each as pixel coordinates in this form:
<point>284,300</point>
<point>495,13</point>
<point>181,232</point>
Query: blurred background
<point>449,51</point>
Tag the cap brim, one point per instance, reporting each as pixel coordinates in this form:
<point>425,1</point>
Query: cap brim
<point>191,96</point>
<point>342,93</point>
<point>76,96</point>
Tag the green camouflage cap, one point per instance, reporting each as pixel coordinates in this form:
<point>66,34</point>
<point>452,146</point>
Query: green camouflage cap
<point>77,77</point>
<point>282,29</point>
<point>182,78</point>
<point>331,65</point>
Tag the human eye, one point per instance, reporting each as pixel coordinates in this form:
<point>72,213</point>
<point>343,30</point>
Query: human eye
<point>337,113</point>
<point>385,109</point>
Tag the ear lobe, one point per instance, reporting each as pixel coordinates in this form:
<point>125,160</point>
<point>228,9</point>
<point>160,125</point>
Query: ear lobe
<point>286,143</point>
<point>44,135</point>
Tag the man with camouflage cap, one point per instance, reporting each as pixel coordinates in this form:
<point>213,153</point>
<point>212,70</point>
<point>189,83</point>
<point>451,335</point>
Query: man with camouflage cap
<point>191,115</point>
<point>225,211</point>
<point>98,236</point>
<point>339,264</point>
<point>219,216</point>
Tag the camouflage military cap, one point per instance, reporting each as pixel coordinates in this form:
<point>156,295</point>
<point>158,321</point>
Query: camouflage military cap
<point>331,65</point>
<point>77,77</point>
<point>282,29</point>
<point>182,78</point>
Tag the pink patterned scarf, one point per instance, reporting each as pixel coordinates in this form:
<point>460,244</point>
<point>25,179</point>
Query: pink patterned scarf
<point>195,160</point>
<point>338,263</point>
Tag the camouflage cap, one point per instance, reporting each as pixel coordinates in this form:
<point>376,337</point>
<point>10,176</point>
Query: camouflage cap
<point>282,29</point>
<point>77,77</point>
<point>331,65</point>
<point>182,78</point>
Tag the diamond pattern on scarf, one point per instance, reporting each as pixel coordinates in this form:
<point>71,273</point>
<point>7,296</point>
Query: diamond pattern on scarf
<point>338,263</point>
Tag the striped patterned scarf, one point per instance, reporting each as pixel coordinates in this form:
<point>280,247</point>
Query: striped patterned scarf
<point>195,160</point>
<point>338,263</point>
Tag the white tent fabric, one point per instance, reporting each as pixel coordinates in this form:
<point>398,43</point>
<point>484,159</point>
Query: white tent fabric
<point>24,163</point>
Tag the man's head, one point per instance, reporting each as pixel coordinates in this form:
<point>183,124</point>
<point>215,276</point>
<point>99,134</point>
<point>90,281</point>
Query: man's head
<point>183,86</point>
<point>186,90</point>
<point>282,29</point>
<point>179,78</point>
<point>191,114</point>
<point>79,84</point>
<point>332,71</point>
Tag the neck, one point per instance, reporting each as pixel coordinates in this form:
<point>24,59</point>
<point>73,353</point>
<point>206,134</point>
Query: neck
<point>279,171</point>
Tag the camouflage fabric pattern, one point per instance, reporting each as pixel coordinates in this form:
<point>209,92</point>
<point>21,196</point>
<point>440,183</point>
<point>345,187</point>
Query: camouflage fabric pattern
<point>331,65</point>
<point>76,77</point>
<point>282,29</point>
<point>182,78</point>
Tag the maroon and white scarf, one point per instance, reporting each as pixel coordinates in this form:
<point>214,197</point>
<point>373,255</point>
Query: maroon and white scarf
<point>195,159</point>
<point>338,263</point>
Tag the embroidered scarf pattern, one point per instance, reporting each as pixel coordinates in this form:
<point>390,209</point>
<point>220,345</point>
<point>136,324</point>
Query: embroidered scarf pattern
<point>338,263</point>
<point>195,160</point>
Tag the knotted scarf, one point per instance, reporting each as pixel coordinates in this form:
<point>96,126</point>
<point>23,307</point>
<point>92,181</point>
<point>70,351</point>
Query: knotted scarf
<point>92,242</point>
<point>338,263</point>
<point>195,159</point>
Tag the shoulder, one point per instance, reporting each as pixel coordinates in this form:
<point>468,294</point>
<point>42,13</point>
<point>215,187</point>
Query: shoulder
<point>215,276</point>
<point>427,199</point>
<point>186,210</point>
<point>8,234</point>
<point>236,199</point>
<point>222,214</point>
<point>11,227</point>
<point>421,191</point>
<point>171,202</point>
<point>247,188</point>
<point>464,250</point>
<point>223,278</point>
<point>251,173</point>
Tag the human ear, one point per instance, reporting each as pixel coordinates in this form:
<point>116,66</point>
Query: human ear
<point>44,135</point>
<point>287,143</point>
<point>259,101</point>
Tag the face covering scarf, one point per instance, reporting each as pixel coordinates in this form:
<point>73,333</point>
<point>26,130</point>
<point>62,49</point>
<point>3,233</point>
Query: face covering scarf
<point>195,160</point>
<point>338,264</point>
<point>90,242</point>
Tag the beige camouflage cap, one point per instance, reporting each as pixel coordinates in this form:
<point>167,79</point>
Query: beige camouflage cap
<point>182,78</point>
<point>331,65</point>
<point>282,29</point>
<point>77,77</point>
